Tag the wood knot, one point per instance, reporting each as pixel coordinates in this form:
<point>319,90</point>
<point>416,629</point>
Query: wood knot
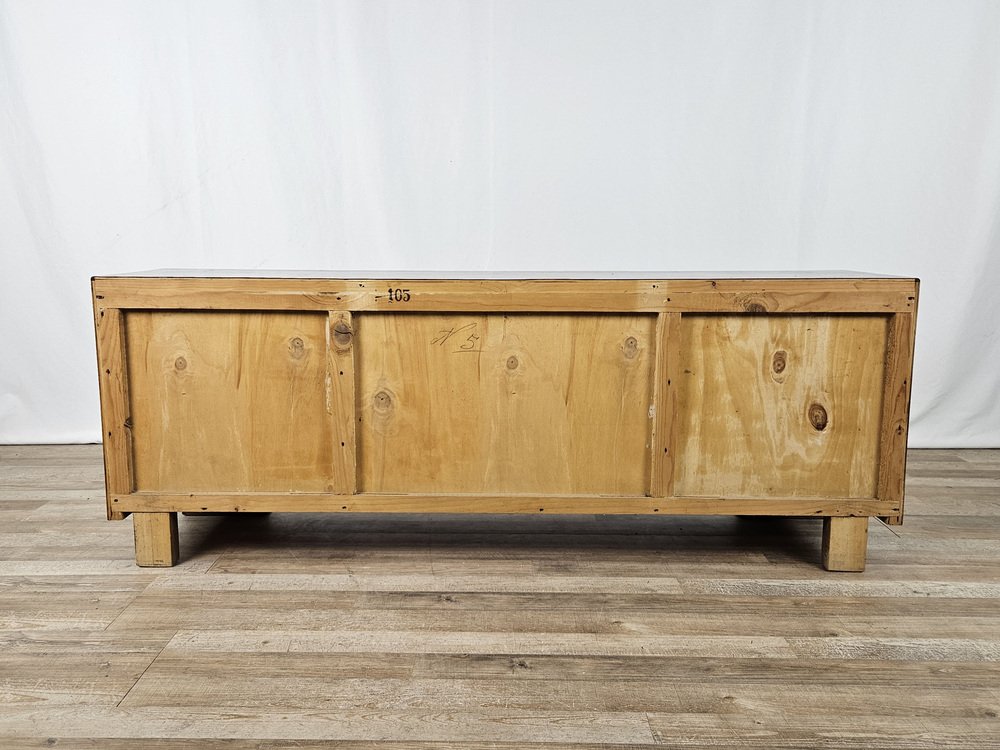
<point>512,362</point>
<point>296,348</point>
<point>751,302</point>
<point>779,361</point>
<point>383,401</point>
<point>818,417</point>
<point>180,363</point>
<point>342,334</point>
<point>630,347</point>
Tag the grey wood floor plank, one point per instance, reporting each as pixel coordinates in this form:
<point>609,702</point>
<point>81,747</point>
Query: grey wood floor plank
<point>353,641</point>
<point>263,612</point>
<point>801,671</point>
<point>471,724</point>
<point>873,732</point>
<point>395,694</point>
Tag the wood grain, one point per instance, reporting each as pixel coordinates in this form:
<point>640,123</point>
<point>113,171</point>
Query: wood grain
<point>605,395</point>
<point>665,386</point>
<point>224,401</point>
<point>505,403</point>
<point>340,405</point>
<point>156,542</point>
<point>845,543</point>
<point>896,410</point>
<point>803,295</point>
<point>780,405</point>
<point>429,502</point>
<point>116,423</point>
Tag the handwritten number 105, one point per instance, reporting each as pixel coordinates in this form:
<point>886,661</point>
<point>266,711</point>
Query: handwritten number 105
<point>399,295</point>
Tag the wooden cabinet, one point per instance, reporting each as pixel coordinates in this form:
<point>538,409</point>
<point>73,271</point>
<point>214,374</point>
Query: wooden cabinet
<point>238,392</point>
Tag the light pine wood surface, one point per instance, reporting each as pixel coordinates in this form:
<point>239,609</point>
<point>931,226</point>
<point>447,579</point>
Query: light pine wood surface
<point>548,404</point>
<point>799,294</point>
<point>619,396</point>
<point>416,632</point>
<point>231,400</point>
<point>780,405</point>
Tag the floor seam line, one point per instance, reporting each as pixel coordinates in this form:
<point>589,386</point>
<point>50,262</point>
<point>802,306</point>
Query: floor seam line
<point>143,674</point>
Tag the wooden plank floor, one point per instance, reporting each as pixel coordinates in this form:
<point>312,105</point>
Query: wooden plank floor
<point>434,633</point>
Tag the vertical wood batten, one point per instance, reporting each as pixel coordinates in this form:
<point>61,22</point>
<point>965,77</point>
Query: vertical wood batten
<point>341,400</point>
<point>661,474</point>
<point>109,324</point>
<point>895,411</point>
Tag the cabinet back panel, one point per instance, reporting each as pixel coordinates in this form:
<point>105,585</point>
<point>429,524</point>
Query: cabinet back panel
<point>504,403</point>
<point>229,401</point>
<point>780,405</point>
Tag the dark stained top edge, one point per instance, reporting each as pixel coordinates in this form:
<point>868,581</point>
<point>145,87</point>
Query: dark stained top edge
<point>197,273</point>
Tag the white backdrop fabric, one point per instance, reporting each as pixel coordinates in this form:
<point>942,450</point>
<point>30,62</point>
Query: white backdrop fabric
<point>556,136</point>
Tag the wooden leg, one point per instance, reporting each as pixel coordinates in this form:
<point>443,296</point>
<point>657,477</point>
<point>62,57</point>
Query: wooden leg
<point>845,543</point>
<point>155,539</point>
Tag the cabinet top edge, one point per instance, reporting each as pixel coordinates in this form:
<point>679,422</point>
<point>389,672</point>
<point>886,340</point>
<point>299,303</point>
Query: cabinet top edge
<point>349,275</point>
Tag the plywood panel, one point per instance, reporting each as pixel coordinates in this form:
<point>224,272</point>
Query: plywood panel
<point>780,405</point>
<point>230,401</point>
<point>546,403</point>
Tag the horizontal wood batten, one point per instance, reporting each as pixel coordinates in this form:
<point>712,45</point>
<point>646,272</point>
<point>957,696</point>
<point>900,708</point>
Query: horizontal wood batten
<point>307,502</point>
<point>618,295</point>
